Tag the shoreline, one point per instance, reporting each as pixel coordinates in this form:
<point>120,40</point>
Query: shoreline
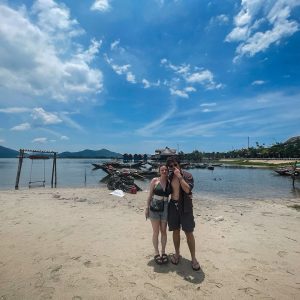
<point>83,243</point>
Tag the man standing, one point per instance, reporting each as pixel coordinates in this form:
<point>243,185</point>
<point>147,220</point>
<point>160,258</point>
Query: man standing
<point>180,215</point>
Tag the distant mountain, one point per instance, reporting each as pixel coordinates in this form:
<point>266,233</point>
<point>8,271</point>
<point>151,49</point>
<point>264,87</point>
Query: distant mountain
<point>8,153</point>
<point>103,153</point>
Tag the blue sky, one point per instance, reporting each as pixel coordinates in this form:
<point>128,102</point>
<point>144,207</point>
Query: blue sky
<point>137,75</point>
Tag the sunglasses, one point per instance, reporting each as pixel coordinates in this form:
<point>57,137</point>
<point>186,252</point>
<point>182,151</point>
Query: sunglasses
<point>173,165</point>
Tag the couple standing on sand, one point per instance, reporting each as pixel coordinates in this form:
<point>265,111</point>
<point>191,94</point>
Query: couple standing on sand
<point>177,213</point>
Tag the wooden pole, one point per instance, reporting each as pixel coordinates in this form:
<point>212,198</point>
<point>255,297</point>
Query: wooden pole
<point>52,175</point>
<point>55,170</point>
<point>21,155</point>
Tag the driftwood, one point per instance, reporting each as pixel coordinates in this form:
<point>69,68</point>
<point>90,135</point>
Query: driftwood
<point>122,179</point>
<point>136,173</point>
<point>117,165</point>
<point>122,182</point>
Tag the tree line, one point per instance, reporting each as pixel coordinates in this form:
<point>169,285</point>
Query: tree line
<point>277,150</point>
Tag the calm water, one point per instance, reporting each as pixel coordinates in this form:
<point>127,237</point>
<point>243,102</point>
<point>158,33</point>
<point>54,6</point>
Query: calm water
<point>249,183</point>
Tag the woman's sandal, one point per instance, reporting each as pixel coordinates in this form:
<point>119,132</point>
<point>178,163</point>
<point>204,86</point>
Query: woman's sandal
<point>164,258</point>
<point>158,259</point>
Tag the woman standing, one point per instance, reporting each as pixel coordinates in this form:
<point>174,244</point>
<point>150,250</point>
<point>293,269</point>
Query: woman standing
<point>157,211</point>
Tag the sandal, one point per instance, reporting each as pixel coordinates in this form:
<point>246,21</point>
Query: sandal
<point>195,266</point>
<point>164,258</point>
<point>175,259</point>
<point>158,259</point>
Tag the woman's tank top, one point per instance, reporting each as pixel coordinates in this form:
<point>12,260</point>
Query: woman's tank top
<point>159,191</point>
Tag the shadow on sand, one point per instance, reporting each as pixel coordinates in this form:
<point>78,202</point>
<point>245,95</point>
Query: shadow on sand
<point>183,269</point>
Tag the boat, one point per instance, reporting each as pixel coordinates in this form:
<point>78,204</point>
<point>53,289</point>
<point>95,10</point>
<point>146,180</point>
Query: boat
<point>210,167</point>
<point>283,171</point>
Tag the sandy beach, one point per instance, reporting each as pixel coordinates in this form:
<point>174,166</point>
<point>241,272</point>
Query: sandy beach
<point>87,244</point>
<point>267,161</point>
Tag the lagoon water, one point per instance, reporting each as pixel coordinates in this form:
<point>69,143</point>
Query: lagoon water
<point>222,182</point>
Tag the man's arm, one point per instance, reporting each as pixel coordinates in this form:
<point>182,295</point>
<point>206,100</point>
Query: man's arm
<point>186,182</point>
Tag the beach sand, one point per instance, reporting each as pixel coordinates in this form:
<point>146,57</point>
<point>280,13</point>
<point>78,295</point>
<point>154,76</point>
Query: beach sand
<point>87,244</point>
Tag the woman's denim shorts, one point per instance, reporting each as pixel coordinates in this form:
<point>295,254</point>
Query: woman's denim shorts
<point>159,215</point>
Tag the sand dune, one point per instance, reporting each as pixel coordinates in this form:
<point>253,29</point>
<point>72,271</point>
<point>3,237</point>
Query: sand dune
<point>87,244</point>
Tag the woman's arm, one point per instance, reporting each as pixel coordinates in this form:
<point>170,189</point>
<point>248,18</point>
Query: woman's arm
<point>150,195</point>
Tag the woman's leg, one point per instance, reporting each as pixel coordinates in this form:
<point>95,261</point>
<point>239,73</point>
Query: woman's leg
<point>163,233</point>
<point>155,227</point>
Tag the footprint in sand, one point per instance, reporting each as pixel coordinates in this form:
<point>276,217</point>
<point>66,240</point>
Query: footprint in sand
<point>250,291</point>
<point>141,297</point>
<point>47,292</point>
<point>88,264</point>
<point>239,250</point>
<point>156,291</point>
<point>112,280</point>
<point>267,213</point>
<point>281,253</point>
<point>254,278</point>
<point>54,274</point>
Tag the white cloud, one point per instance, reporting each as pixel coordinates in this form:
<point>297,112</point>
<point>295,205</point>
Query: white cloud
<point>179,93</point>
<point>146,83</point>
<point>2,141</point>
<point>71,123</point>
<point>190,89</point>
<point>184,75</point>
<point>41,140</point>
<point>259,24</point>
<point>121,69</point>
<point>205,110</point>
<point>64,138</point>
<point>43,59</point>
<point>55,19</point>
<point>208,104</point>
<point>218,20</point>
<point>258,82</point>
<point>114,45</point>
<point>46,117</point>
<point>101,5</point>
<point>21,127</point>
<point>157,124</point>
<point>14,110</point>
<point>222,19</point>
<point>200,77</point>
<point>130,77</point>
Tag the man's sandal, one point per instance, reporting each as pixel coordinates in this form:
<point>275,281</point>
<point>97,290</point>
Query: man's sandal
<point>164,258</point>
<point>175,259</point>
<point>157,259</point>
<point>196,266</point>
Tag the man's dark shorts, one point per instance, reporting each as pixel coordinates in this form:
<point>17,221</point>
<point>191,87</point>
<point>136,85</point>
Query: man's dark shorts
<point>176,220</point>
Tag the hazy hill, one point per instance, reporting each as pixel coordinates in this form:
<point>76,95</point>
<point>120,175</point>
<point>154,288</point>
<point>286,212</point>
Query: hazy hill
<point>103,153</point>
<point>8,153</point>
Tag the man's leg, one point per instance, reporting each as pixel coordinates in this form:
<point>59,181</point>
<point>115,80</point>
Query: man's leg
<point>191,243</point>
<point>176,241</point>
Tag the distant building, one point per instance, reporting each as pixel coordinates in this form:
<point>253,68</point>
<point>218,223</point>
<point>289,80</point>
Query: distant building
<point>163,154</point>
